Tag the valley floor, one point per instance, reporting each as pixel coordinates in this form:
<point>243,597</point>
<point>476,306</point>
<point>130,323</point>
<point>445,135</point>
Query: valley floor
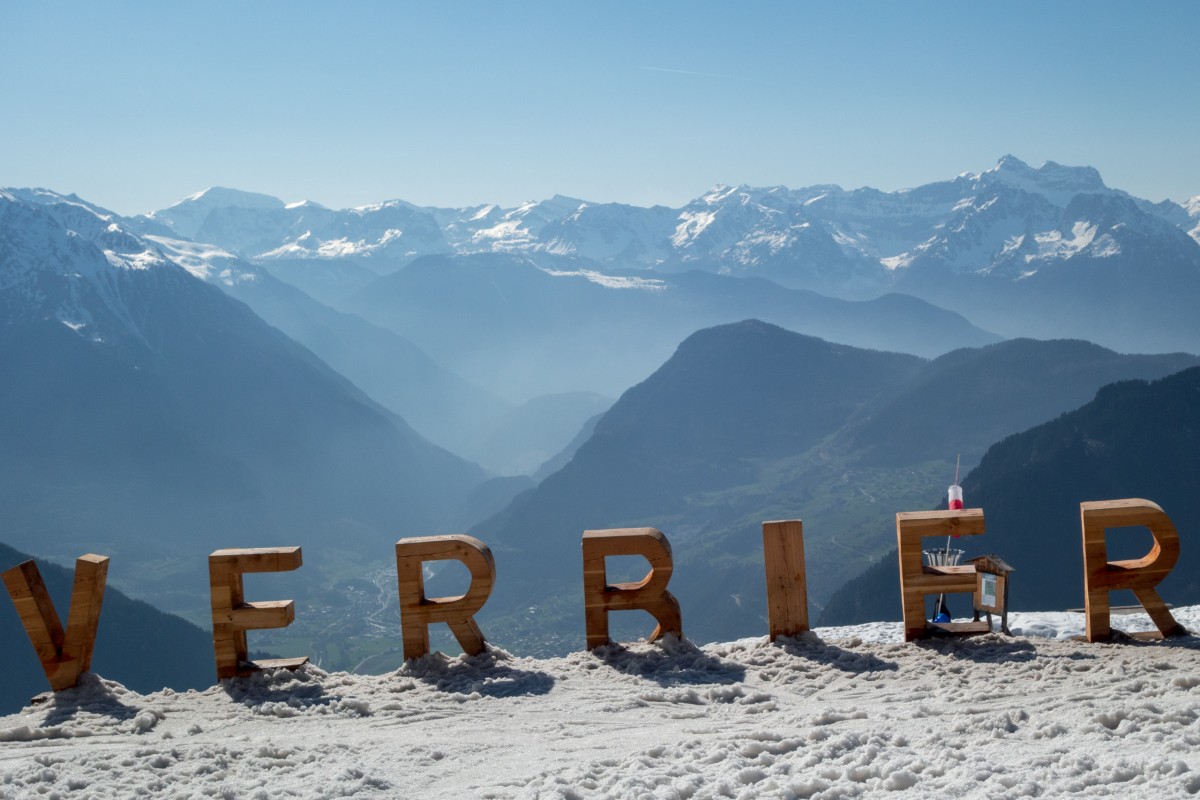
<point>848,712</point>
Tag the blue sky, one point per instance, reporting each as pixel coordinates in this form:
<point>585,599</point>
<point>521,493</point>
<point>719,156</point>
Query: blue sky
<point>135,105</point>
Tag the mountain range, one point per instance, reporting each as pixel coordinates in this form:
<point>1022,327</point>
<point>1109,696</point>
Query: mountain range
<point>529,333</point>
<point>1022,251</point>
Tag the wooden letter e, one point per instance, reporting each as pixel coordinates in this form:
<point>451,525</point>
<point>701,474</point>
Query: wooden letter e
<point>232,615</point>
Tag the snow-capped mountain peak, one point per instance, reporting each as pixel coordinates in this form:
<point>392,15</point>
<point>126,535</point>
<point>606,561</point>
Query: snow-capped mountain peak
<point>220,196</point>
<point>60,260</point>
<point>188,215</point>
<point>1055,182</point>
<point>518,229</point>
<point>1192,207</point>
<point>717,194</point>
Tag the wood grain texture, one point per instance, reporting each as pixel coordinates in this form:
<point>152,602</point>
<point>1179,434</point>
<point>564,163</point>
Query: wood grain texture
<point>232,616</point>
<point>918,580</point>
<point>1141,575</point>
<point>418,612</point>
<point>787,591</point>
<point>649,594</point>
<point>64,654</point>
<point>959,628</point>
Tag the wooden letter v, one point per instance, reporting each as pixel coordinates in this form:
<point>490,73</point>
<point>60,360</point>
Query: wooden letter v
<point>66,656</point>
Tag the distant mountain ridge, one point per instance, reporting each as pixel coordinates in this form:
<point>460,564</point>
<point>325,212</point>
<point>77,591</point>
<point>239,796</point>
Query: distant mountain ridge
<point>1050,252</point>
<point>520,326</point>
<point>741,228</point>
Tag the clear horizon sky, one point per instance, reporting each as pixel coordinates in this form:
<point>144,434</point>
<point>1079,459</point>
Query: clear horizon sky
<point>136,105</point>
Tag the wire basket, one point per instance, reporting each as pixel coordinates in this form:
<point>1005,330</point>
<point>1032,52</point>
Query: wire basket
<point>942,557</point>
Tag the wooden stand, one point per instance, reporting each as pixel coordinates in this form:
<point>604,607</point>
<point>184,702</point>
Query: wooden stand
<point>417,611</point>
<point>64,656</point>
<point>992,573</point>
<point>1101,576</point>
<point>232,616</point>
<point>918,580</point>
<point>787,594</point>
<point>649,594</point>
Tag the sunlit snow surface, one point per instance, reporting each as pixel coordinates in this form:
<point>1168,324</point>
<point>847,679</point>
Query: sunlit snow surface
<point>848,712</point>
<point>611,281</point>
<point>205,261</point>
<point>1192,206</point>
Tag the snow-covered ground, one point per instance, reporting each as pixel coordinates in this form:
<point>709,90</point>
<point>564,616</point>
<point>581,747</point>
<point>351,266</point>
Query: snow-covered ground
<point>848,712</point>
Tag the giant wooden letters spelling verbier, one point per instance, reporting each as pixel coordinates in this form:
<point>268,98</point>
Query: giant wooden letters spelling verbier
<point>64,655</point>
<point>232,615</point>
<point>417,611</point>
<point>1101,576</point>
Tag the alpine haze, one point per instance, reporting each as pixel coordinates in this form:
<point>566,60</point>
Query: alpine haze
<point>151,416</point>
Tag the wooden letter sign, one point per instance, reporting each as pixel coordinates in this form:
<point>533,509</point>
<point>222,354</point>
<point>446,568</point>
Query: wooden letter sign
<point>1101,576</point>
<point>417,611</point>
<point>64,656</point>
<point>787,595</point>
<point>232,616</point>
<point>918,580</point>
<point>649,594</point>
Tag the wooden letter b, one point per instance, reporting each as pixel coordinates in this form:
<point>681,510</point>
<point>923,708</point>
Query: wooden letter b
<point>649,594</point>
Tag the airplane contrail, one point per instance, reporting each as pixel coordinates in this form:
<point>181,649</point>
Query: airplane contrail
<point>686,72</point>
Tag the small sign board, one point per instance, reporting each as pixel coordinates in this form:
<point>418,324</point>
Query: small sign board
<point>987,591</point>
